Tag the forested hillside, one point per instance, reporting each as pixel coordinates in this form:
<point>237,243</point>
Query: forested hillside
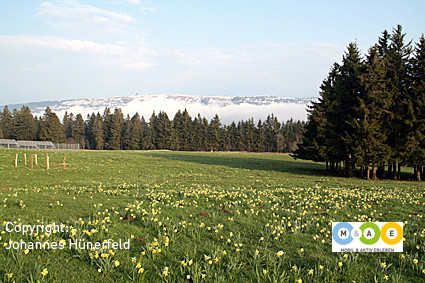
<point>112,130</point>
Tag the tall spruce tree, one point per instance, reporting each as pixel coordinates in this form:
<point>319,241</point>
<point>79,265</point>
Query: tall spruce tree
<point>114,126</point>
<point>200,129</point>
<point>214,134</point>
<point>182,132</point>
<point>151,135</point>
<point>78,128</point>
<point>232,137</point>
<point>159,136</point>
<point>349,94</point>
<point>7,123</point>
<point>373,150</point>
<point>94,132</point>
<point>131,132</point>
<point>50,128</point>
<point>144,128</point>
<point>397,59</point>
<point>68,122</point>
<point>415,143</point>
<point>136,132</point>
<point>24,124</point>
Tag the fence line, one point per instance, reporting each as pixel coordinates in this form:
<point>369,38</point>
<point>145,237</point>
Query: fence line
<point>67,146</point>
<point>38,145</point>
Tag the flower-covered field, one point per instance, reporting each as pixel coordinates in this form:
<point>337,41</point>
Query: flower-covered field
<point>196,217</point>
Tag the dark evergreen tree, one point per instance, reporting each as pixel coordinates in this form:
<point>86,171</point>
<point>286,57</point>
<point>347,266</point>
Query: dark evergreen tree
<point>397,58</point>
<point>163,127</point>
<point>144,129</point>
<point>415,142</point>
<point>94,132</point>
<point>373,150</point>
<point>132,132</point>
<point>232,137</point>
<point>214,134</point>
<point>50,128</point>
<point>7,123</point>
<point>68,125</point>
<point>247,132</point>
<point>200,130</point>
<point>272,128</point>
<point>24,124</point>
<point>260,140</point>
<point>313,145</point>
<point>182,133</point>
<point>78,129</point>
<point>349,94</point>
<point>114,126</point>
<point>151,133</point>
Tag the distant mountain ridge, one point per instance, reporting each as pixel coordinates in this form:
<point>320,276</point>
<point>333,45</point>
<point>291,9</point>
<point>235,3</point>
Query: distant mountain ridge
<point>229,108</point>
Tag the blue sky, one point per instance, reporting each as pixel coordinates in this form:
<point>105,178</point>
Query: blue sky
<point>55,50</point>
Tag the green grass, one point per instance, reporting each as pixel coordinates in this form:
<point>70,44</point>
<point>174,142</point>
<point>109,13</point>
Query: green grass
<point>215,217</point>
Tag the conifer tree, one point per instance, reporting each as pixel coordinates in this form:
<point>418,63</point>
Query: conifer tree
<point>144,128</point>
<point>232,137</point>
<point>214,134</point>
<point>260,140</point>
<point>313,143</point>
<point>67,122</point>
<point>126,132</point>
<point>50,128</point>
<point>415,143</point>
<point>151,135</point>
<point>78,129</point>
<point>7,123</point>
<point>131,132</point>
<point>159,136</point>
<point>200,129</point>
<point>350,91</point>
<point>94,132</point>
<point>24,125</point>
<point>114,128</point>
<point>272,129</point>
<point>397,58</point>
<point>373,149</point>
<point>136,132</point>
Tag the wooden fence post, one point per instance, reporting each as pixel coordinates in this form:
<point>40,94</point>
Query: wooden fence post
<point>35,157</point>
<point>64,162</point>
<point>47,161</point>
<point>32,160</point>
<point>25,159</point>
<point>16,160</point>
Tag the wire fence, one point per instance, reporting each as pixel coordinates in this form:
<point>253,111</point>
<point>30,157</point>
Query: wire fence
<point>67,146</point>
<point>38,145</point>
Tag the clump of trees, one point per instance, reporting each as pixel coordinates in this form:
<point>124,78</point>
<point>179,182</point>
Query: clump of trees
<point>113,131</point>
<point>371,112</point>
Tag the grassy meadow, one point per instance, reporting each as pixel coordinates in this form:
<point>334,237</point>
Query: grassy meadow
<point>199,217</point>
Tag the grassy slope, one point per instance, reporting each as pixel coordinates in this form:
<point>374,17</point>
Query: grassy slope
<point>255,189</point>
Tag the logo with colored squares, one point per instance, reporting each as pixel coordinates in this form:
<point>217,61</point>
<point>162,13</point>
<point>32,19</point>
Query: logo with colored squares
<point>367,237</point>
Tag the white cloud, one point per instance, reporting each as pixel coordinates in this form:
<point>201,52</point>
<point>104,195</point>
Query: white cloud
<point>135,66</point>
<point>61,43</point>
<point>71,16</point>
<point>125,56</point>
<point>134,2</point>
<point>205,56</point>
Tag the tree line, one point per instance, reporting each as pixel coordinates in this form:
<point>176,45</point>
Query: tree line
<point>113,131</point>
<point>370,117</point>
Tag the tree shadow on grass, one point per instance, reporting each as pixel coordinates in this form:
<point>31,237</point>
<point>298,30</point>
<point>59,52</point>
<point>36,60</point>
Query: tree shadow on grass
<point>247,161</point>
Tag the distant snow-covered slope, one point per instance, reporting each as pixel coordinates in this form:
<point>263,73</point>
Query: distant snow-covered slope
<point>229,108</point>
